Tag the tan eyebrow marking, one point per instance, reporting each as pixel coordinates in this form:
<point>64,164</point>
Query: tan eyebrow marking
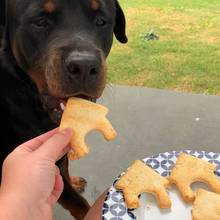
<point>50,6</point>
<point>94,5</point>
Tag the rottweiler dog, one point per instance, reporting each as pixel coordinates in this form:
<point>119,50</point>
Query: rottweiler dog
<point>51,50</point>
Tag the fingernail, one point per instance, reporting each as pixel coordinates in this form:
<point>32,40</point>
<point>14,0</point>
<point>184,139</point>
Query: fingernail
<point>67,131</point>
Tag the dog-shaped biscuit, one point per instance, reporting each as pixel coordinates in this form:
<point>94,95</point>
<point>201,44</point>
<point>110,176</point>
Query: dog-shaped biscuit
<point>83,116</point>
<point>140,178</point>
<point>189,169</point>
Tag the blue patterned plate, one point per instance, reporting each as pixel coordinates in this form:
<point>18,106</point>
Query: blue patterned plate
<point>114,207</point>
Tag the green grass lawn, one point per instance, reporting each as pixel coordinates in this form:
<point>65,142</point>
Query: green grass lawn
<point>185,58</point>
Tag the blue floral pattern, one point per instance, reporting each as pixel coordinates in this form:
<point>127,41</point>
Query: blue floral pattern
<point>114,207</point>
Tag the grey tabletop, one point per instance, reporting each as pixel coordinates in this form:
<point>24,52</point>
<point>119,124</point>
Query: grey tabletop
<point>147,122</point>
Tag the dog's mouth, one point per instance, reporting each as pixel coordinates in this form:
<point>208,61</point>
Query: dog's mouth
<point>55,106</point>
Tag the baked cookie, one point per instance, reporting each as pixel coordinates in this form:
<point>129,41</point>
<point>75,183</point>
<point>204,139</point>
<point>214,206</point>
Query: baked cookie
<point>140,178</point>
<point>189,169</point>
<point>206,206</point>
<point>83,116</point>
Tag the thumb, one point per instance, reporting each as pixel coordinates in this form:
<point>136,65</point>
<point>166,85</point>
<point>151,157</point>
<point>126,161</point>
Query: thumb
<point>56,146</point>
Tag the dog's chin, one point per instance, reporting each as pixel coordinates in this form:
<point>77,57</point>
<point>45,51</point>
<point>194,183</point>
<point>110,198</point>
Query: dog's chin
<point>55,106</point>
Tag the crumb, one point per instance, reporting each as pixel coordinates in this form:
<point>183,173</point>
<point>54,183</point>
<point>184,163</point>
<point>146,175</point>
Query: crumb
<point>148,208</point>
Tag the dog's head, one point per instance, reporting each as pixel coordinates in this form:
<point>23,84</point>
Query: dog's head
<point>62,45</point>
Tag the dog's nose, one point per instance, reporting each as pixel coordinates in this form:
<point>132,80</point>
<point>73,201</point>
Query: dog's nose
<point>82,68</point>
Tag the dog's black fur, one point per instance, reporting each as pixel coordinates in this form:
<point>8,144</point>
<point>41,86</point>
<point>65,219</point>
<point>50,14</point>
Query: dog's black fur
<point>51,50</point>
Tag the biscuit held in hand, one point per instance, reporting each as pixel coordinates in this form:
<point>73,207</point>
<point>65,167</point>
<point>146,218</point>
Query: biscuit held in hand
<point>206,206</point>
<point>83,116</point>
<point>189,169</point>
<point>140,178</point>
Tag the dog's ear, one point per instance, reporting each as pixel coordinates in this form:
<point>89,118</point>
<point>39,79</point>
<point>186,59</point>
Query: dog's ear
<point>2,36</point>
<point>120,24</point>
<point>2,13</point>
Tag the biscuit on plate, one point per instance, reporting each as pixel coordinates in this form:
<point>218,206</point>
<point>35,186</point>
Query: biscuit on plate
<point>83,116</point>
<point>206,206</point>
<point>189,169</point>
<point>140,178</point>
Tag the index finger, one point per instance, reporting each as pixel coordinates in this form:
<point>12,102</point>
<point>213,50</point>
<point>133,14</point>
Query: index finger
<point>35,143</point>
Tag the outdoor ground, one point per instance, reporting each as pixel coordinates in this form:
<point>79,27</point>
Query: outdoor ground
<point>186,56</point>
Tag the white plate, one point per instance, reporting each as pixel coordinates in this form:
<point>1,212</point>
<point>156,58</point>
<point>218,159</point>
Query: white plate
<point>114,207</point>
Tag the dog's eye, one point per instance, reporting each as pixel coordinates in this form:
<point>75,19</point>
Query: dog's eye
<point>41,22</point>
<point>100,23</point>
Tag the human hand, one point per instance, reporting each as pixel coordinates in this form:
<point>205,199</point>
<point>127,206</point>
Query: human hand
<point>31,182</point>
